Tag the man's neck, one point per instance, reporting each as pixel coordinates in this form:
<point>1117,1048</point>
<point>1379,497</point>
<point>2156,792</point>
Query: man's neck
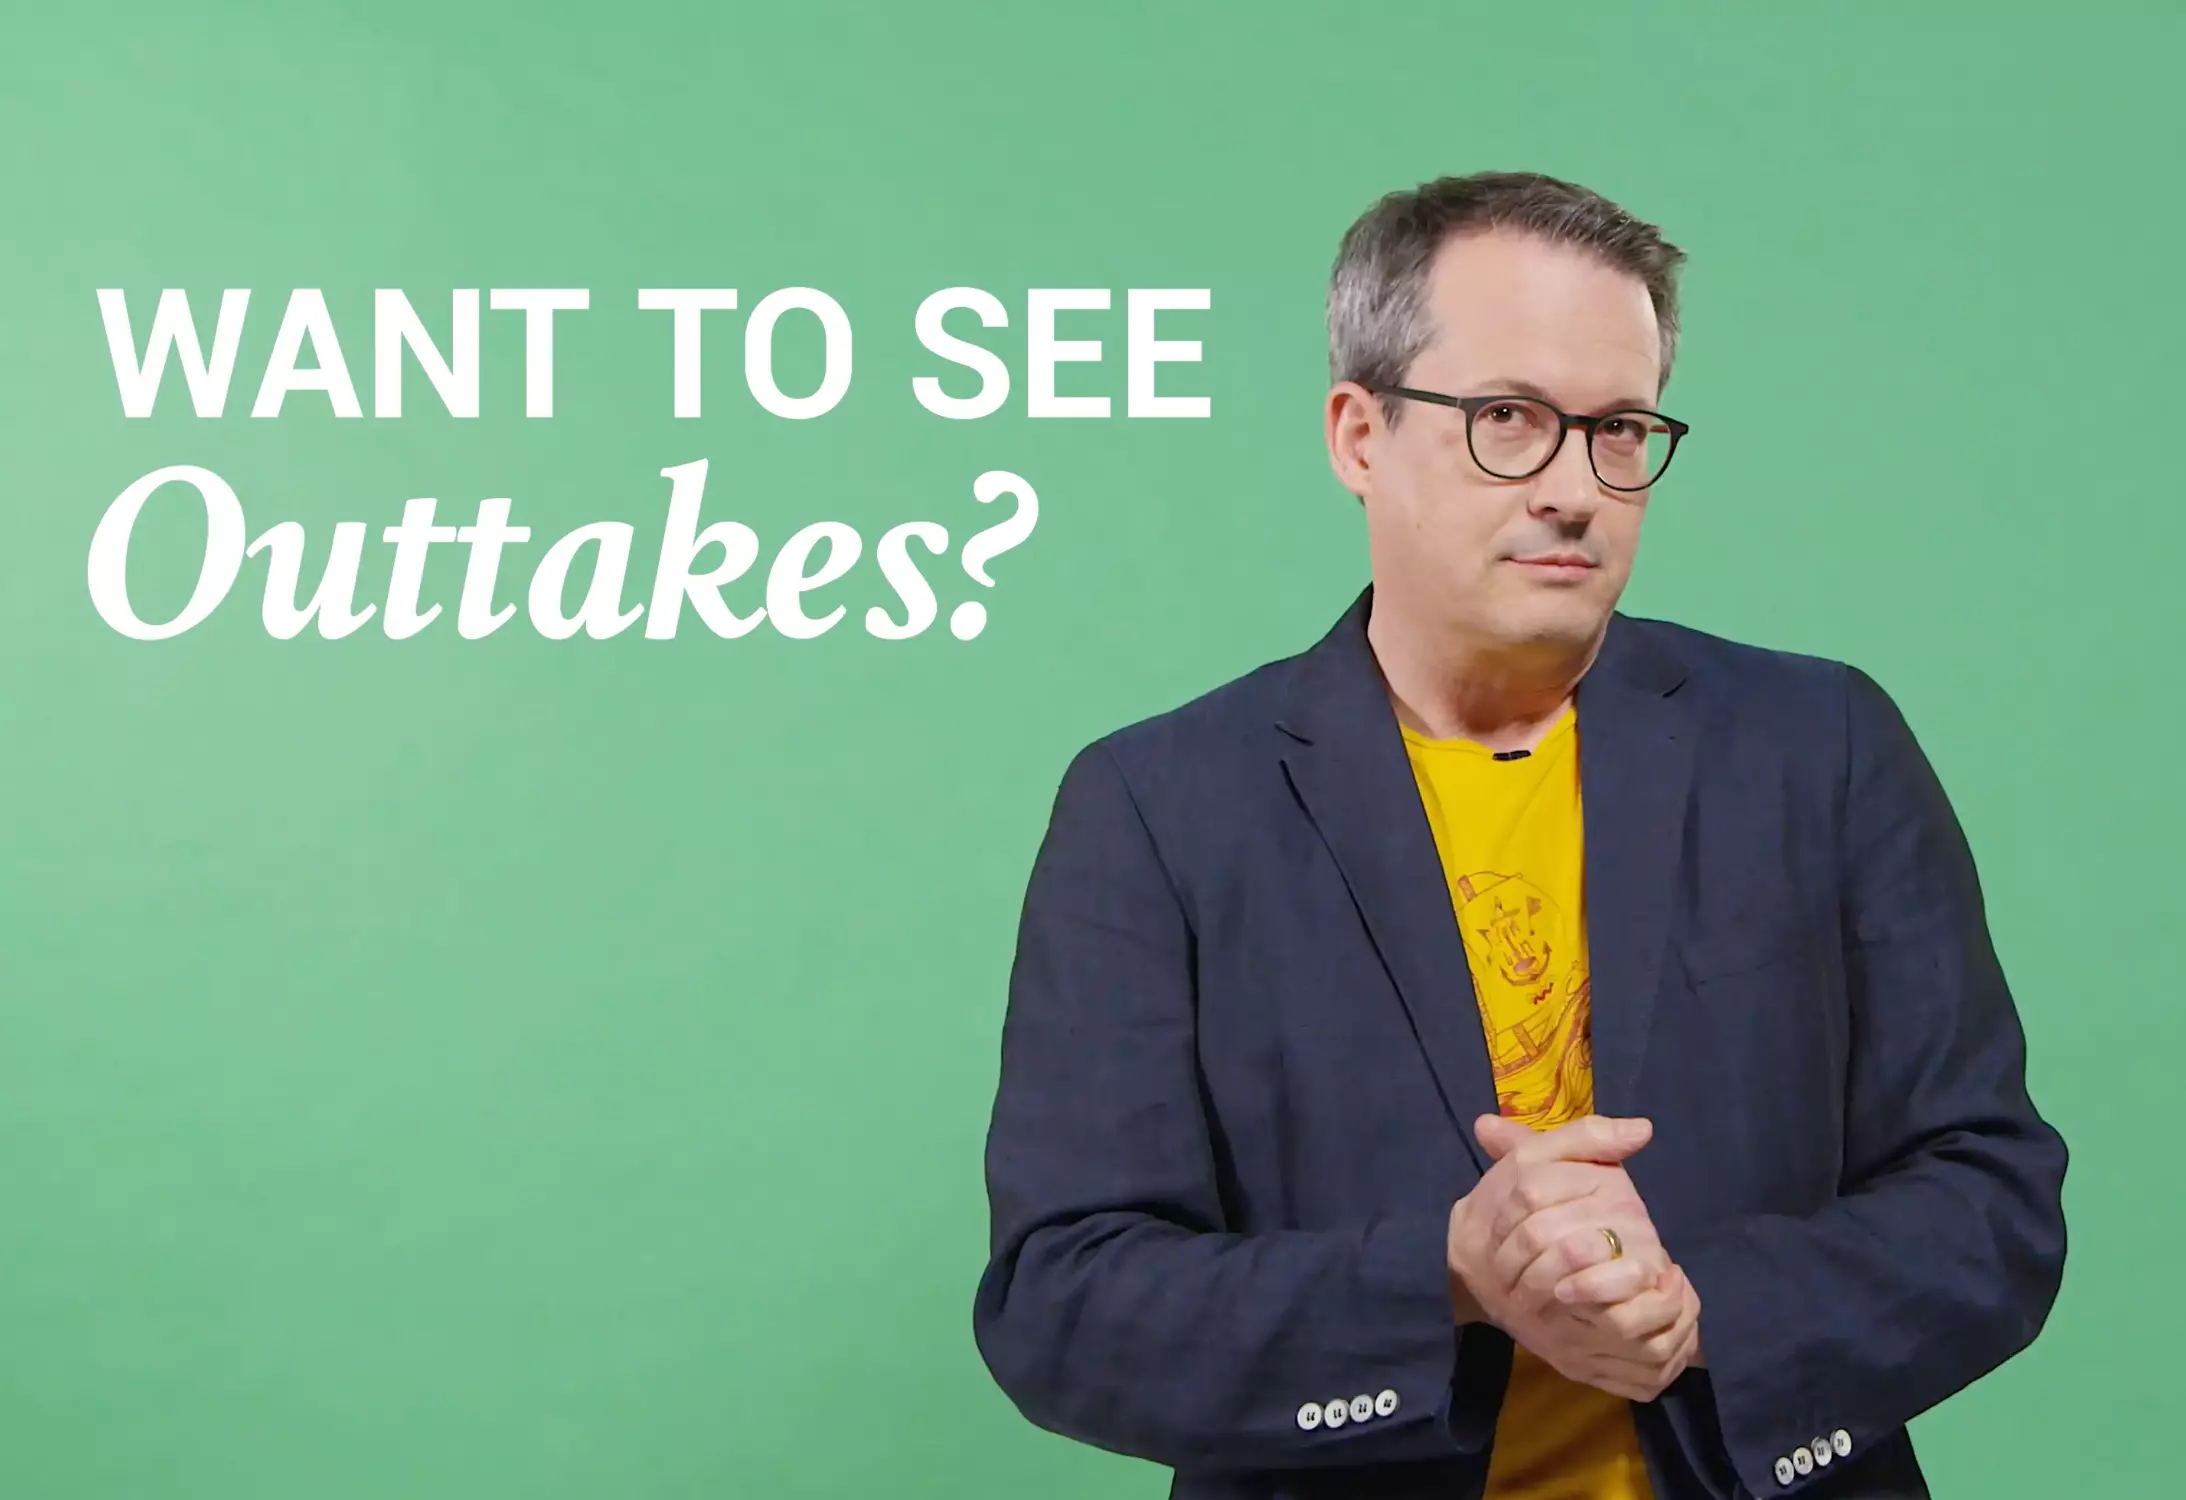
<point>1447,686</point>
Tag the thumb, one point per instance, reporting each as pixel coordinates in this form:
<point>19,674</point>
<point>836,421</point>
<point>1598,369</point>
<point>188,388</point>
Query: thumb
<point>1499,1136</point>
<point>1595,1138</point>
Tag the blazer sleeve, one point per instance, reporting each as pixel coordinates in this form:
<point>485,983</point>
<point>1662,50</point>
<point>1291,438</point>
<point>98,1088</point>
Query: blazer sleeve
<point>1942,1253</point>
<point>1118,1308</point>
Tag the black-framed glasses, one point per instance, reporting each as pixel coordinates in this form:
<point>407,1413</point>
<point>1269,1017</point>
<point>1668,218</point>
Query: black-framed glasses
<point>1516,437</point>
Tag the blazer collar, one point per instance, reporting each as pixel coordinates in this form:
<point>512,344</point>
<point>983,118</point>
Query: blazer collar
<point>1346,760</point>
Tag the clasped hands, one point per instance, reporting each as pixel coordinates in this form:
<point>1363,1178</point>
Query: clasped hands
<point>1527,1254</point>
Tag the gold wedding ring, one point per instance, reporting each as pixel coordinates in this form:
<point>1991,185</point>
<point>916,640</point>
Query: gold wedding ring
<point>1616,1246</point>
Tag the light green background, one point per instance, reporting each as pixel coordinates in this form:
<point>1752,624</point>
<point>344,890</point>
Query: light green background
<point>517,1068</point>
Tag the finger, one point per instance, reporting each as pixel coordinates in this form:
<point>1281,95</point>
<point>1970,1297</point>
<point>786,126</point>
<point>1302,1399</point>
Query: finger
<point>1622,1327</point>
<point>1534,1186</point>
<point>1661,1346</point>
<point>1595,1138</point>
<point>1580,1223</point>
<point>1639,1318</point>
<point>1500,1137</point>
<point>1664,1351</point>
<point>1594,1274</point>
<point>1636,1386</point>
<point>1654,1374</point>
<point>1665,1347</point>
<point>1542,1234</point>
<point>1606,1283</point>
<point>1682,1341</point>
<point>1688,1354</point>
<point>1603,1284</point>
<point>1639,1391</point>
<point>1583,1253</point>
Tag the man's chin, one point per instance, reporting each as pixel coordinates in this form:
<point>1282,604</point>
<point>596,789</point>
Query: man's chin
<point>1570,625</point>
<point>1529,619</point>
<point>1559,635</point>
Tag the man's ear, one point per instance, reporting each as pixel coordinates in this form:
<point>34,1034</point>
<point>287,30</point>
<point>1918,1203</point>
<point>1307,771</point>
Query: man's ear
<point>1351,419</point>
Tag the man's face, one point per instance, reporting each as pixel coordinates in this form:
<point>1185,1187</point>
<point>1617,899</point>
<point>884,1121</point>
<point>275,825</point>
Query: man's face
<point>1531,562</point>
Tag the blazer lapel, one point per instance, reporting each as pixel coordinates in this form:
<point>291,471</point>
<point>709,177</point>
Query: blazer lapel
<point>1636,745</point>
<point>1347,763</point>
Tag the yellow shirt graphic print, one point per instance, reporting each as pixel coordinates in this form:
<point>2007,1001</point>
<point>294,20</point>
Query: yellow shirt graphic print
<point>1512,840</point>
<point>1530,979</point>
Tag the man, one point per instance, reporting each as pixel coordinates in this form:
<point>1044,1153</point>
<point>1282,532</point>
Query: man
<point>1380,1117</point>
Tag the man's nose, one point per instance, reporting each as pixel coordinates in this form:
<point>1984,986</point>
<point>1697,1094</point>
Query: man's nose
<point>1568,487</point>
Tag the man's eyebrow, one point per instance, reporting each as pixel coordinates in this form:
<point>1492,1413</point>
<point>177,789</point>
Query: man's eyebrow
<point>1509,385</point>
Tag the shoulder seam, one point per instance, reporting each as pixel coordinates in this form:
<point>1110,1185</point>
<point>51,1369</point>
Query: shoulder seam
<point>1138,813</point>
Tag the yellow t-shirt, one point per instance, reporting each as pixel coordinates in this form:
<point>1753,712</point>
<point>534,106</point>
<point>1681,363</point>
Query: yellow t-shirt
<point>1513,848</point>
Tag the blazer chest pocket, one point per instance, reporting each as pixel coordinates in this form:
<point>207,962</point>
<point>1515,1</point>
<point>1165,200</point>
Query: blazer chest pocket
<point>1722,952</point>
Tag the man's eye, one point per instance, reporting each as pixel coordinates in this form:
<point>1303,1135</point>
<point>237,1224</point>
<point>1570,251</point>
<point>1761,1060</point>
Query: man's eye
<point>1624,434</point>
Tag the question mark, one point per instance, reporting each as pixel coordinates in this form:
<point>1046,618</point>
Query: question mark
<point>970,617</point>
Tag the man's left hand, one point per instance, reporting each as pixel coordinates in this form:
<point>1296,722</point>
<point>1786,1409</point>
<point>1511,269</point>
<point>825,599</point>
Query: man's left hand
<point>1557,1256</point>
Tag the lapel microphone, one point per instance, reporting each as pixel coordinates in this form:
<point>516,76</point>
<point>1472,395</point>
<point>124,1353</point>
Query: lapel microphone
<point>1510,754</point>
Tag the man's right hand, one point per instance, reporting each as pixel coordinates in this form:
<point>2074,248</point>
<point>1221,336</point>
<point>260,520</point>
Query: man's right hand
<point>1531,1222</point>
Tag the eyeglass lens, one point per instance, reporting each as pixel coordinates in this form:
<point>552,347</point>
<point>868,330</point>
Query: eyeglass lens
<point>1513,439</point>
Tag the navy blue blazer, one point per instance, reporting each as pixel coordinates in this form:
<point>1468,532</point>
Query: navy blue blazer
<point>1241,1058</point>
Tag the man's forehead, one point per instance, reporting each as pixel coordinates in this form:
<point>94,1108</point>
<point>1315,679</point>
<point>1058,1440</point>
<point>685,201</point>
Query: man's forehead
<point>1551,314</point>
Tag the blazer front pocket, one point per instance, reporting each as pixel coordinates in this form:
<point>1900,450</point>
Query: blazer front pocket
<point>1722,953</point>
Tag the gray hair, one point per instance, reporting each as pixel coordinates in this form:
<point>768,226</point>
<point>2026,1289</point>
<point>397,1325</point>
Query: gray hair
<point>1377,294</point>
